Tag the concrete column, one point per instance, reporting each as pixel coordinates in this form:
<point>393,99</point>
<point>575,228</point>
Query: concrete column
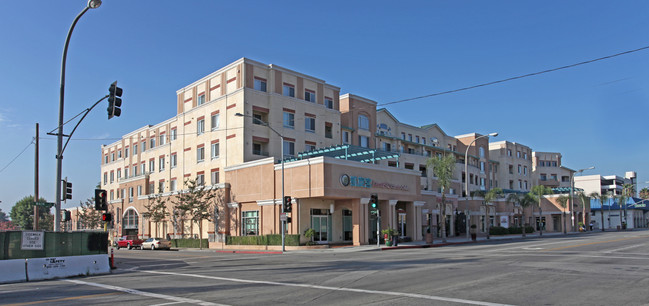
<point>360,219</point>
<point>418,205</point>
<point>392,216</point>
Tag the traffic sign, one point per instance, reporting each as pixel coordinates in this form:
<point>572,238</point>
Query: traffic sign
<point>282,217</point>
<point>45,204</point>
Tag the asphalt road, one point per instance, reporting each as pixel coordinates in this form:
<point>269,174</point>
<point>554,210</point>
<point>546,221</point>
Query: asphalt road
<point>586,269</point>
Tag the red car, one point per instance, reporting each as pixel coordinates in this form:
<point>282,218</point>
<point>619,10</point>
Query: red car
<point>129,242</point>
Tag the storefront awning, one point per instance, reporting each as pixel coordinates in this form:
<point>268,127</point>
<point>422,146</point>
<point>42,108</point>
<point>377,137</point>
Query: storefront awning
<point>348,152</point>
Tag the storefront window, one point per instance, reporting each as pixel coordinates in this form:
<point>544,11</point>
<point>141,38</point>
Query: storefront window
<point>250,220</point>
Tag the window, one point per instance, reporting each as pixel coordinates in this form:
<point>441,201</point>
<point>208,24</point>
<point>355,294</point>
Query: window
<point>215,177</point>
<point>135,149</point>
<point>259,148</point>
<point>511,169</point>
<point>105,178</point>
<point>387,146</point>
<point>482,166</point>
<point>309,95</point>
<point>260,84</point>
<point>152,165</point>
<point>519,169</point>
<point>309,124</point>
<point>518,154</point>
<point>152,142</point>
<point>126,152</point>
<point>143,168</point>
<point>173,160</point>
<point>309,147</point>
<point>258,118</point>
<point>525,170</point>
<point>162,139</point>
<point>173,135</point>
<point>119,154</point>
<point>215,122</point>
<point>143,145</point>
<point>329,103</point>
<point>525,184</point>
<point>161,164</point>
<point>288,90</point>
<point>554,164</point>
<point>112,176</point>
<point>345,137</point>
<point>328,131</point>
<point>130,194</point>
<point>250,220</point>
<point>520,184</point>
<point>553,177</point>
<point>172,185</point>
<point>161,186</point>
<point>364,141</point>
<point>126,172</point>
<point>543,177</point>
<point>200,100</point>
<point>289,148</point>
<point>200,126</point>
<point>403,136</point>
<point>417,139</point>
<point>410,137</point>
<point>215,151</point>
<point>119,174</point>
<point>542,163</point>
<point>200,180</point>
<point>481,151</point>
<point>509,152</point>
<point>525,156</point>
<point>200,154</point>
<point>289,120</point>
<point>106,159</point>
<point>363,122</point>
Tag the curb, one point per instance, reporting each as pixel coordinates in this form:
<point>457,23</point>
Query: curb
<point>250,252</point>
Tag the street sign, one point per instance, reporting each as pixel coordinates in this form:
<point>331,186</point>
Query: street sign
<point>282,217</point>
<point>45,204</point>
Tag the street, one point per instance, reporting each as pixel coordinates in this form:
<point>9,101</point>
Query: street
<point>596,268</point>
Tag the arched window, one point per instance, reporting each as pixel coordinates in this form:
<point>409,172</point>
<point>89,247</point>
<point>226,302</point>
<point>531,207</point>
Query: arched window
<point>363,122</point>
<point>481,152</point>
<point>130,219</point>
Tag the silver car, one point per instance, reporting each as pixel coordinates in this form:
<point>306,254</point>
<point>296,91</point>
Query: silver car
<point>156,243</point>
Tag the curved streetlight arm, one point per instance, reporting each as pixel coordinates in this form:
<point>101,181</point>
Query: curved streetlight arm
<point>466,181</point>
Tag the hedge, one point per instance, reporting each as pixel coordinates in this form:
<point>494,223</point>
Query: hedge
<point>188,243</point>
<point>276,239</point>
<point>499,230</point>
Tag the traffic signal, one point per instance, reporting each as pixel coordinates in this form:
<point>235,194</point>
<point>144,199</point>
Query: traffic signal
<point>67,187</point>
<point>374,202</point>
<point>106,217</point>
<point>101,199</point>
<point>66,216</point>
<point>288,205</point>
<point>114,100</point>
<point>289,219</point>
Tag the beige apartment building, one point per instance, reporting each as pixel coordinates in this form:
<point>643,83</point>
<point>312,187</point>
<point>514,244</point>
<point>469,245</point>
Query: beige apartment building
<point>230,131</point>
<point>515,161</point>
<point>549,171</point>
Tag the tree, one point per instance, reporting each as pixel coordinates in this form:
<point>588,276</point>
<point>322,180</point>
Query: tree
<point>7,226</point>
<point>22,215</point>
<point>89,218</point>
<point>601,198</point>
<point>644,193</point>
<point>197,201</point>
<point>563,202</point>
<point>443,168</point>
<point>627,192</point>
<point>156,208</point>
<point>537,193</point>
<point>490,196</point>
<point>584,199</point>
<point>3,216</point>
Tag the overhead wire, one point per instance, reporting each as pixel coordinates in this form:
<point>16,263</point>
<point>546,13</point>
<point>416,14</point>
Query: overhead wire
<point>21,153</point>
<point>515,77</point>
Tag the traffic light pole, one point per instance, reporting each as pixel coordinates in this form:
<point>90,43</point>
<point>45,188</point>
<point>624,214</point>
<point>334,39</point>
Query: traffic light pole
<point>378,228</point>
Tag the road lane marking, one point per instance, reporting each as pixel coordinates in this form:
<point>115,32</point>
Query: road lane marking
<point>143,293</point>
<point>65,299</point>
<point>593,243</point>
<point>399,294</point>
<point>626,248</point>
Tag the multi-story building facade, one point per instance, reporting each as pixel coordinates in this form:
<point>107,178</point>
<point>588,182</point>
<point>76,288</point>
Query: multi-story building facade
<point>515,160</point>
<point>231,129</point>
<point>549,171</point>
<point>606,184</point>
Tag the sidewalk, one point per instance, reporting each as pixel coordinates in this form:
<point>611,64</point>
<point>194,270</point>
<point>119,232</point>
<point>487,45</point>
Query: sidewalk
<point>437,242</point>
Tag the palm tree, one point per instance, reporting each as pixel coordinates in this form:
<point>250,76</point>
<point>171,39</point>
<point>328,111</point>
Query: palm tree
<point>443,168</point>
<point>491,195</point>
<point>584,198</point>
<point>563,202</point>
<point>524,201</point>
<point>537,193</point>
<point>627,192</point>
<point>601,198</point>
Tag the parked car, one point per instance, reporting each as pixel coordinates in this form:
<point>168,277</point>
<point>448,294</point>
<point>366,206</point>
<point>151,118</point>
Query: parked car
<point>156,243</point>
<point>129,242</point>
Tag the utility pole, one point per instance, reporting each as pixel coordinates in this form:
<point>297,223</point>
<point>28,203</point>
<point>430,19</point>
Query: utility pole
<point>36,180</point>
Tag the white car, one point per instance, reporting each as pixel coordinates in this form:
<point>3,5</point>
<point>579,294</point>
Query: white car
<point>156,243</point>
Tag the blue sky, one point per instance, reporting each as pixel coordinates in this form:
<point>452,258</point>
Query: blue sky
<point>594,114</point>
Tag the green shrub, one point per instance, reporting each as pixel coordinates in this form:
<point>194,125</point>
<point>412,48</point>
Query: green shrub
<point>498,230</point>
<point>276,239</point>
<point>515,230</point>
<point>188,243</point>
<point>529,229</point>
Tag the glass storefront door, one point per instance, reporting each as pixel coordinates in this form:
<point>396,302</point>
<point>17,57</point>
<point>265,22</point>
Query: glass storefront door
<point>321,223</point>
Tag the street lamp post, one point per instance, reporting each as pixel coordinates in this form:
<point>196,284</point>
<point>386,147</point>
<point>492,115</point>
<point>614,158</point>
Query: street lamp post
<point>466,182</point>
<point>282,162</point>
<point>92,4</point>
<point>570,200</point>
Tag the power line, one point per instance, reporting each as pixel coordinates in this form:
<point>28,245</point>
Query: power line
<point>21,153</point>
<point>516,77</point>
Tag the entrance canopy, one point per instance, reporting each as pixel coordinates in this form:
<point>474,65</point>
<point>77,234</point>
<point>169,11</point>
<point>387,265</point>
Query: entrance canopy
<point>349,152</point>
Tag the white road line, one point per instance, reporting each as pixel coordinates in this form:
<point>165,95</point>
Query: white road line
<point>626,248</point>
<point>399,294</point>
<point>142,293</point>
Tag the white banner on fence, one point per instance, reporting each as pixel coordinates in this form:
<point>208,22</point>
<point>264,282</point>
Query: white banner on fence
<point>12,271</point>
<point>55,267</point>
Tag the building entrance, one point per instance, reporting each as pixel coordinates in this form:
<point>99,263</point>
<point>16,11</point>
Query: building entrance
<point>321,223</point>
